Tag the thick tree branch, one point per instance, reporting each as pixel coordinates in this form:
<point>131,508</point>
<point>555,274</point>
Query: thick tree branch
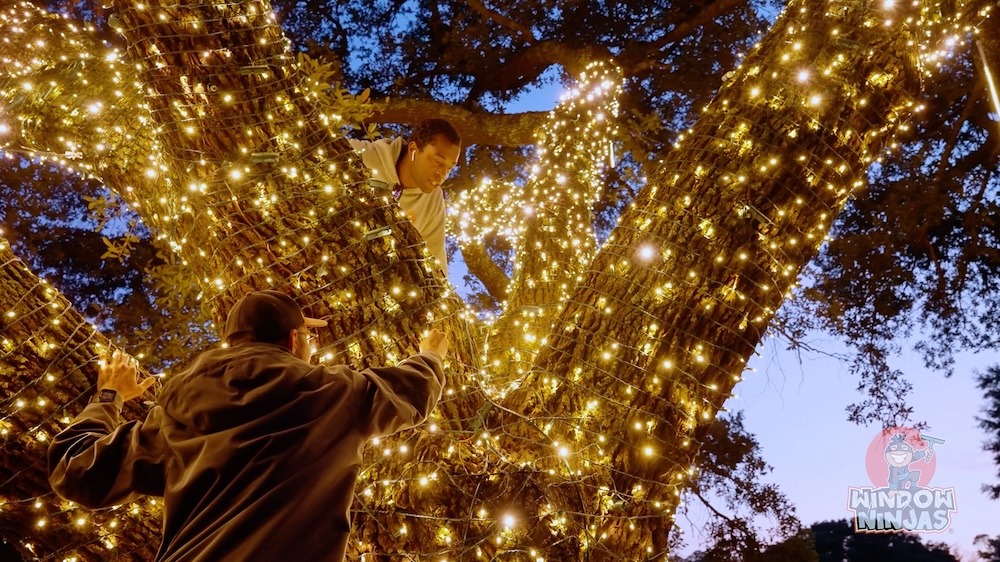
<point>524,67</point>
<point>502,20</point>
<point>707,503</point>
<point>478,260</point>
<point>640,58</point>
<point>475,128</point>
<point>48,355</point>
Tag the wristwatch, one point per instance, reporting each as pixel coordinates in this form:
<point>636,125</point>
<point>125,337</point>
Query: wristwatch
<point>108,396</point>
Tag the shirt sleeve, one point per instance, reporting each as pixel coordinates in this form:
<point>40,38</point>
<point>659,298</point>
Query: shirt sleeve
<point>98,463</point>
<point>403,396</point>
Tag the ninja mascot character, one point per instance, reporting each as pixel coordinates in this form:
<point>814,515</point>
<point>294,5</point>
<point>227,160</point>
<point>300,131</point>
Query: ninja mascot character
<point>899,454</point>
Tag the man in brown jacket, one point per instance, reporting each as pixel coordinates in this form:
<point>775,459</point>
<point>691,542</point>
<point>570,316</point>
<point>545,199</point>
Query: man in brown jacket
<point>254,450</point>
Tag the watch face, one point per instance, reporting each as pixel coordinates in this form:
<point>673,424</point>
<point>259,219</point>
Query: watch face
<point>107,396</point>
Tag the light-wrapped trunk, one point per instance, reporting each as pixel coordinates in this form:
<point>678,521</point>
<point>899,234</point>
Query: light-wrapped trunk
<point>656,335</point>
<point>586,459</point>
<point>48,362</point>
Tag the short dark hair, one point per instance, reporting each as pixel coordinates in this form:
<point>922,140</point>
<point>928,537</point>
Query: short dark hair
<point>426,130</point>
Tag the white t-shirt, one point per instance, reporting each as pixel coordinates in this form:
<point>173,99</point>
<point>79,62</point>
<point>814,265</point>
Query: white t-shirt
<point>426,210</point>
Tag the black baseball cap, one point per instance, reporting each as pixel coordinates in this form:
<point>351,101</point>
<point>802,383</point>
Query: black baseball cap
<point>268,315</point>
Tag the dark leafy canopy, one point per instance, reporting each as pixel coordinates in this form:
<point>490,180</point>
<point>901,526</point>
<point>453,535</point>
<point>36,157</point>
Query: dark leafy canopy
<point>480,55</point>
<point>836,541</point>
<point>990,548</point>
<point>989,383</point>
<point>49,218</point>
<point>96,252</point>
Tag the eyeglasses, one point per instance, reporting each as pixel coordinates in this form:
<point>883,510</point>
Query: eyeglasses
<point>310,337</point>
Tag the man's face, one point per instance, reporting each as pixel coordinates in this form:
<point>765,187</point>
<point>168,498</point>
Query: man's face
<point>432,164</point>
<point>303,347</point>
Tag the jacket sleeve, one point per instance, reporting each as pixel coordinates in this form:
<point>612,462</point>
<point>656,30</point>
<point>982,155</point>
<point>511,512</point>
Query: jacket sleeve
<point>403,396</point>
<point>98,463</point>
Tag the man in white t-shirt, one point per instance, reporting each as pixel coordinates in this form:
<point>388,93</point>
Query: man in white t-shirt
<point>416,168</point>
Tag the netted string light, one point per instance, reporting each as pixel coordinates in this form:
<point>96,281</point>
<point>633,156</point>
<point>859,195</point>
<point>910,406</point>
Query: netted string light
<point>588,456</point>
<point>294,212</point>
<point>47,365</point>
<point>548,221</point>
<point>704,256</point>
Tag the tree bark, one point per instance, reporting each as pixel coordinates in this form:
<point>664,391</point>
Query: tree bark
<point>656,335</point>
<point>551,221</point>
<point>585,458</point>
<point>48,365</point>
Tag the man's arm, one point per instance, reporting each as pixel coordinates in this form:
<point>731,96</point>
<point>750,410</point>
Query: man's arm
<point>94,461</point>
<point>403,396</point>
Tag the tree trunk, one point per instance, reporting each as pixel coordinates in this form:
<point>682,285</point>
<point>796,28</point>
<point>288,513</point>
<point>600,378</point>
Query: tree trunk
<point>652,341</point>
<point>48,366</point>
<point>585,459</point>
<point>551,219</point>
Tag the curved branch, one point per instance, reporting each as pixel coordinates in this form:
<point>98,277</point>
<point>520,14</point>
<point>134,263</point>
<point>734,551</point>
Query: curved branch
<point>485,269</point>
<point>502,20</point>
<point>534,60</point>
<point>641,58</point>
<point>710,506</point>
<point>475,128</point>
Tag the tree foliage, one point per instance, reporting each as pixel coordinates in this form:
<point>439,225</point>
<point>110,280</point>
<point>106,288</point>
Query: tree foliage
<point>836,541</point>
<point>989,383</point>
<point>730,485</point>
<point>990,548</point>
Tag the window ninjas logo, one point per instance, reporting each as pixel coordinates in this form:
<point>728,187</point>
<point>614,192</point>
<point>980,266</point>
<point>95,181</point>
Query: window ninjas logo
<point>900,463</point>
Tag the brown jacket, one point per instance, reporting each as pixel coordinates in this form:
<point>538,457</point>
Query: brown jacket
<point>254,451</point>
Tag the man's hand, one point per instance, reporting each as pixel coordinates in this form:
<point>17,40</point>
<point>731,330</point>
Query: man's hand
<point>118,374</point>
<point>436,341</point>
